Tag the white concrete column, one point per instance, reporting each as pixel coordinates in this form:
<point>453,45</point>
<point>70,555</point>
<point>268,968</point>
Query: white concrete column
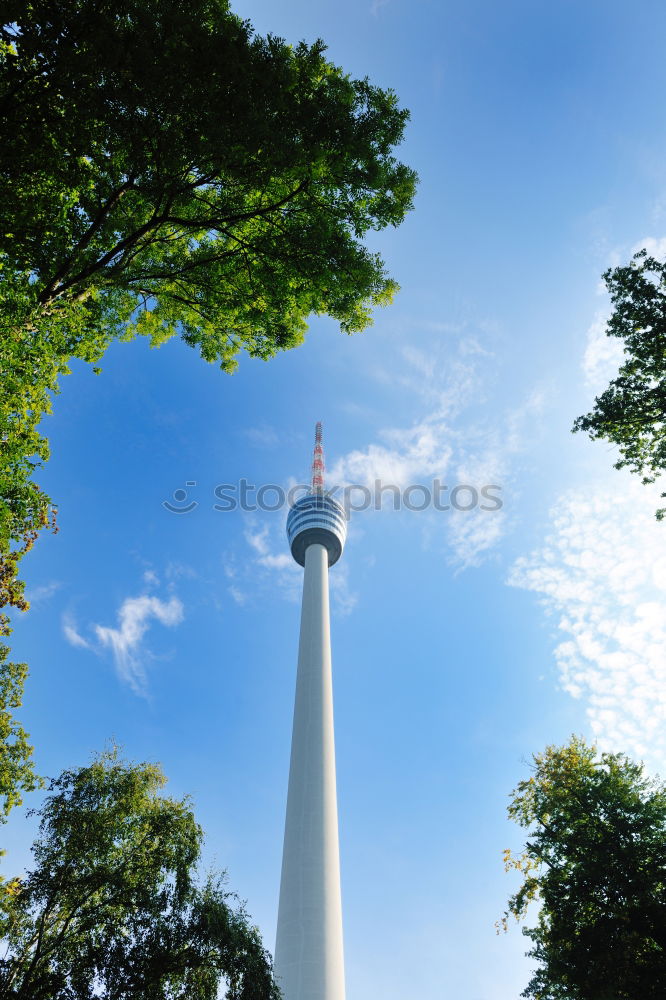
<point>309,963</point>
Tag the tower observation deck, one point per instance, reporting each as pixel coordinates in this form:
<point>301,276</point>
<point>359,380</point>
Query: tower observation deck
<point>316,519</point>
<point>309,960</point>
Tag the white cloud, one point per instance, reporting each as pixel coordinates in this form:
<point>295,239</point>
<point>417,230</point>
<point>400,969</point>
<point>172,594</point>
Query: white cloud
<point>487,462</point>
<point>435,448</point>
<point>125,641</point>
<point>288,575</point>
<point>151,578</point>
<point>258,540</point>
<point>344,599</point>
<point>408,455</point>
<point>473,534</point>
<point>286,572</point>
<point>72,633</point>
<point>444,442</point>
<point>603,355</point>
<point>421,361</point>
<point>405,455</point>
<point>602,573</point>
<point>655,246</point>
<point>178,571</point>
<point>445,378</point>
<point>239,597</point>
<point>43,593</point>
<point>264,436</point>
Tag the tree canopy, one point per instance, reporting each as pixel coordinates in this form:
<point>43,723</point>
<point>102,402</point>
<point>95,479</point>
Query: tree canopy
<point>631,412</point>
<point>596,861</point>
<point>17,774</point>
<point>165,171</point>
<point>113,908</point>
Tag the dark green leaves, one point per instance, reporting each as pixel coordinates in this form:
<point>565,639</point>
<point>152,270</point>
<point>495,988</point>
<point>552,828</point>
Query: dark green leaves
<point>169,162</point>
<point>631,412</point>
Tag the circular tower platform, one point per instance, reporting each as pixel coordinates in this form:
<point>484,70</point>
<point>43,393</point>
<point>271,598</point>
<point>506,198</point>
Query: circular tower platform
<point>316,518</point>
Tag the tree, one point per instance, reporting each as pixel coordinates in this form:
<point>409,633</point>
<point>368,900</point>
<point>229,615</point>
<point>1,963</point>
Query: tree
<point>631,412</point>
<point>112,907</point>
<point>596,861</point>
<point>165,171</point>
<point>17,774</point>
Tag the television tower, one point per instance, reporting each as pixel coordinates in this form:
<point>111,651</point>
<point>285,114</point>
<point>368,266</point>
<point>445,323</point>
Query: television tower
<point>309,961</point>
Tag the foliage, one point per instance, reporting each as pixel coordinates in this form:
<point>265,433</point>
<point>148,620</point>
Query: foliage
<point>167,168</point>
<point>17,774</point>
<point>596,861</point>
<point>631,412</point>
<point>28,374</point>
<point>165,171</point>
<point>112,907</point>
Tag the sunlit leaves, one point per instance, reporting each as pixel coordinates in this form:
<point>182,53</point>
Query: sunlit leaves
<point>112,906</point>
<point>16,771</point>
<point>595,859</point>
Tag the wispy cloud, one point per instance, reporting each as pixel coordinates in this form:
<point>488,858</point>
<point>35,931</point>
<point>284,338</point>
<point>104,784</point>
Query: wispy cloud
<point>231,571</point>
<point>655,246</point>
<point>445,378</point>
<point>602,573</point>
<point>440,383</point>
<point>72,634</point>
<point>455,452</point>
<point>126,641</point>
<point>288,575</point>
<point>603,355</point>
<point>487,461</point>
<point>344,598</point>
<point>258,540</point>
<point>444,388</point>
<point>43,593</point>
<point>263,436</point>
<point>238,595</point>
<point>405,456</point>
<point>179,571</point>
<point>285,574</point>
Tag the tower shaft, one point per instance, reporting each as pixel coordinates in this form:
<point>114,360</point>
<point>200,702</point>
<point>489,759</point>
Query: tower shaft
<point>309,961</point>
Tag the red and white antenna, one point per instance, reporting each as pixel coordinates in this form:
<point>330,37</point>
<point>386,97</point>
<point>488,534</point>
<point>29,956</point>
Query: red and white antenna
<point>318,463</point>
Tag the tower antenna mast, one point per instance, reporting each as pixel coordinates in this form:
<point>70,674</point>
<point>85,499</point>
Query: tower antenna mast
<point>318,463</point>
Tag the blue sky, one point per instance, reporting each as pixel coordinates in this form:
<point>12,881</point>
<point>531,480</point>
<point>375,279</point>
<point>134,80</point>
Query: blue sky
<point>462,643</point>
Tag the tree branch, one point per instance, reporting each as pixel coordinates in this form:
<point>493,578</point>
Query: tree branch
<point>217,223</point>
<point>54,290</point>
<point>94,227</point>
